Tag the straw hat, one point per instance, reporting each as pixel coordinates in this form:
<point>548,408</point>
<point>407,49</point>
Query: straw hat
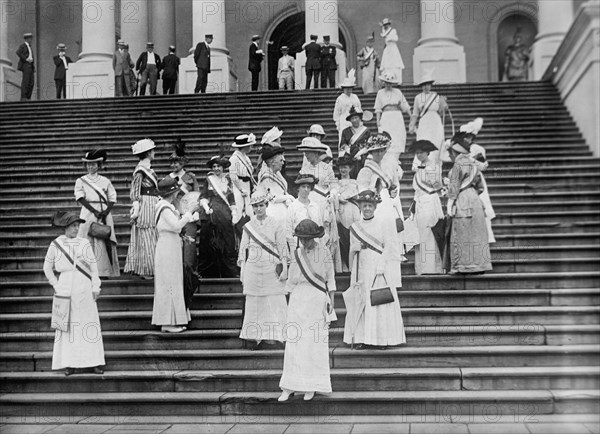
<point>311,144</point>
<point>271,135</point>
<point>142,146</point>
<point>244,140</point>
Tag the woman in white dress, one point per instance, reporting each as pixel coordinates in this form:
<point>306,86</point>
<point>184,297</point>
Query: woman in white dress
<point>375,264</point>
<point>369,62</point>
<point>344,103</point>
<point>391,60</point>
<point>240,172</point>
<point>263,262</point>
<point>272,181</point>
<point>427,184</point>
<point>389,105</point>
<point>302,208</point>
<point>97,197</point>
<point>169,309</point>
<point>72,257</point>
<point>311,282</point>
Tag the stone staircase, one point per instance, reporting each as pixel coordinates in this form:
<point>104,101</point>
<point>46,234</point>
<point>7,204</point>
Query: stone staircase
<point>521,341</point>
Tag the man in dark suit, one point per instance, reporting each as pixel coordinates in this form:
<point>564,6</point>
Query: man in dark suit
<point>122,65</point>
<point>313,61</point>
<point>170,65</point>
<point>328,63</point>
<point>25,54</point>
<point>61,60</point>
<point>255,57</point>
<point>202,60</point>
<point>148,64</point>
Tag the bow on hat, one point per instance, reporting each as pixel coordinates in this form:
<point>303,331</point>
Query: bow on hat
<point>472,127</point>
<point>271,135</point>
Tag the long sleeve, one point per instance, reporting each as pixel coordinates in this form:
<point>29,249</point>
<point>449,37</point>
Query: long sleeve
<point>379,102</point>
<point>79,190</point>
<point>173,223</point>
<point>244,243</point>
<point>337,110</point>
<point>404,106</point>
<point>417,107</point>
<point>136,187</point>
<point>112,193</point>
<point>49,265</point>
<point>329,271</point>
<point>93,263</point>
<point>289,227</point>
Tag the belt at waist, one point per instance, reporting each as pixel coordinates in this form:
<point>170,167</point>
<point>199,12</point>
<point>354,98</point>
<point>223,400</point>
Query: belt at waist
<point>244,178</point>
<point>391,108</point>
<point>286,70</point>
<point>148,192</point>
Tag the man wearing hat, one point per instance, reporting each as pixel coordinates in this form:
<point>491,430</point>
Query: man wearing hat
<point>255,57</point>
<point>170,65</point>
<point>202,61</point>
<point>26,65</point>
<point>313,61</point>
<point>285,70</point>
<point>148,64</point>
<point>61,60</point>
<point>328,63</point>
<point>122,65</point>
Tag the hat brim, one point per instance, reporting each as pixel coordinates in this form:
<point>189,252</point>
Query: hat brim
<point>376,148</point>
<point>382,78</point>
<point>305,181</point>
<point>243,145</point>
<point>360,115</point>
<point>271,152</point>
<point>323,134</point>
<point>222,162</point>
<point>426,82</point>
<point>95,160</point>
<point>307,149</point>
<point>315,235</point>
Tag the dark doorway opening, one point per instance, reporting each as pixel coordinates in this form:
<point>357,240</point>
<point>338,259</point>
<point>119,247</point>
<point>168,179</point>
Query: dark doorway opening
<point>506,33</point>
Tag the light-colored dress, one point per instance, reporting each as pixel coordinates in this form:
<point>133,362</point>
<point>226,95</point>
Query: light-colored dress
<point>428,211</point>
<point>347,213</point>
<point>266,306</point>
<point>306,357</point>
<point>296,212</point>
<point>429,123</point>
<point>240,172</point>
<point>143,194</point>
<point>382,324</point>
<point>277,186</point>
<point>107,259</point>
<point>490,214</point>
<point>469,247</point>
<point>342,107</point>
<point>81,346</point>
<point>169,302</point>
<point>391,103</point>
<point>370,71</point>
<point>391,60</point>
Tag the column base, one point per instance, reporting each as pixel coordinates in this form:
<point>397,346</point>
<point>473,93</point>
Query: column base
<point>91,79</point>
<point>448,59</point>
<point>10,82</point>
<point>222,78</point>
<point>542,53</point>
<point>300,73</point>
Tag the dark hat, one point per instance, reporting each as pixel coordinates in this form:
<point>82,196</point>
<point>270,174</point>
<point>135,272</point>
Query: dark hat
<point>167,185</point>
<point>326,38</point>
<point>95,156</point>
<point>354,112</point>
<point>270,151</point>
<point>309,229</point>
<point>255,37</point>
<point>62,219</point>
<point>345,160</point>
<point>178,152</point>
<point>27,35</point>
<point>421,146</point>
<point>313,37</point>
<point>149,44</point>
<point>305,178</point>
<point>458,144</point>
<point>217,159</point>
<point>208,35</point>
<point>366,196</point>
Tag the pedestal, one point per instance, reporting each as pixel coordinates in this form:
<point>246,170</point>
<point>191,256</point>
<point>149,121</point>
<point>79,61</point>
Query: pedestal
<point>10,82</point>
<point>448,60</point>
<point>90,80</point>
<point>222,77</point>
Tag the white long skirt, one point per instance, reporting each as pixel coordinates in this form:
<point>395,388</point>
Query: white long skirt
<point>428,259</point>
<point>392,122</point>
<point>306,357</point>
<point>264,318</point>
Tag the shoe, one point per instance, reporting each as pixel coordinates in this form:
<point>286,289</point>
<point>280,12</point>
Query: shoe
<point>69,371</point>
<point>309,395</point>
<point>172,329</point>
<point>359,347</point>
<point>285,395</point>
<point>98,370</point>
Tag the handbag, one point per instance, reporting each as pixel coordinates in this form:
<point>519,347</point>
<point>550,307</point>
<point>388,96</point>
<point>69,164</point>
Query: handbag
<point>399,224</point>
<point>61,308</point>
<point>100,231</point>
<point>382,295</point>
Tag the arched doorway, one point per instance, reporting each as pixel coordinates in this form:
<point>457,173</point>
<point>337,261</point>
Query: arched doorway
<point>288,32</point>
<point>507,29</point>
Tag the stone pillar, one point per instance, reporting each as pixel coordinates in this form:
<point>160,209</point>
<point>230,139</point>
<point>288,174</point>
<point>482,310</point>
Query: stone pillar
<point>134,26</point>
<point>208,17</point>
<point>554,19</point>
<point>321,19</point>
<point>163,25</point>
<point>93,76</point>
<point>10,81</point>
<point>438,48</point>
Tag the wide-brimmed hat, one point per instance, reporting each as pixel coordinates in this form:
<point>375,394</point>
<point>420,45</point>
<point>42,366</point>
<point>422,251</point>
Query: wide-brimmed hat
<point>61,46</point>
<point>269,152</point>
<point>305,178</point>
<point>220,160</point>
<point>317,129</point>
<point>244,140</point>
<point>178,152</point>
<point>271,135</point>
<point>366,196</point>
<point>311,144</point>
<point>309,229</point>
<point>472,127</point>
<point>62,219</point>
<point>350,80</point>
<point>389,77</point>
<point>259,196</point>
<point>421,146</point>
<point>377,142</point>
<point>95,156</point>
<point>345,160</point>
<point>142,146</point>
<point>458,144</point>
<point>354,112</point>
<point>385,21</point>
<point>427,77</point>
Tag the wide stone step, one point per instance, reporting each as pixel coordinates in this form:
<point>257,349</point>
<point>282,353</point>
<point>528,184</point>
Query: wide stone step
<point>380,379</point>
<point>232,318</point>
<point>448,403</point>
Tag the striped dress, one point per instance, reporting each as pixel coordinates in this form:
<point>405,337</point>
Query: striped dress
<point>140,256</point>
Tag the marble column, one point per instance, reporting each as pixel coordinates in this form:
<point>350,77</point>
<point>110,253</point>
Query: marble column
<point>134,26</point>
<point>163,25</point>
<point>93,76</point>
<point>554,19</point>
<point>10,80</point>
<point>438,49</point>
<point>208,17</point>
<point>321,19</point>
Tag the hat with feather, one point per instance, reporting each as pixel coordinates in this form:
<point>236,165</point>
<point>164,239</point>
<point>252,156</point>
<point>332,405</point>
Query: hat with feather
<point>179,152</point>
